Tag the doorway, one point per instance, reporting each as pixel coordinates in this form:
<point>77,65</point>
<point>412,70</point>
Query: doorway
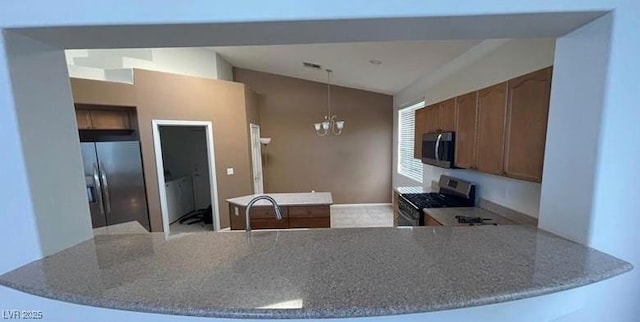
<point>185,164</point>
<point>256,159</point>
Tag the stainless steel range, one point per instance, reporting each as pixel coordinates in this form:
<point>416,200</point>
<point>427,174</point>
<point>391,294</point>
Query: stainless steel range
<point>452,192</point>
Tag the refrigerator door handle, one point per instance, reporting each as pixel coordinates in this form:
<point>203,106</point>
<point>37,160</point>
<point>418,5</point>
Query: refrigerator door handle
<point>98,187</point>
<point>105,189</point>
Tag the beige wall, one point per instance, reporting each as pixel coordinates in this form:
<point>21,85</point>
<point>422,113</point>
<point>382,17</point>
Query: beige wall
<point>173,97</point>
<point>87,91</point>
<point>355,166</point>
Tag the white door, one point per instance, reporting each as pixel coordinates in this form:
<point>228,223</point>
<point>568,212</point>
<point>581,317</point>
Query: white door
<point>256,159</point>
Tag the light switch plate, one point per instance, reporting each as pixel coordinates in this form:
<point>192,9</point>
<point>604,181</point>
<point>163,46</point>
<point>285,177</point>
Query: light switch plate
<point>229,171</point>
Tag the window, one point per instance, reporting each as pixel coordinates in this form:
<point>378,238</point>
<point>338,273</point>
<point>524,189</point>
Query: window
<point>407,165</point>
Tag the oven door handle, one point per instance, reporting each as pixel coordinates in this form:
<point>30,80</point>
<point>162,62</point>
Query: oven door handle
<point>438,147</point>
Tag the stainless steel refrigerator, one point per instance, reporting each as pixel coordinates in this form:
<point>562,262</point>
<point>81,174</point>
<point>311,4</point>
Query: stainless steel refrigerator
<point>115,183</point>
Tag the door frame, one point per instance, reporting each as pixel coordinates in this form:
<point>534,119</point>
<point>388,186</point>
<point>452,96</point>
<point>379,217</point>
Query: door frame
<point>157,146</point>
<point>254,128</point>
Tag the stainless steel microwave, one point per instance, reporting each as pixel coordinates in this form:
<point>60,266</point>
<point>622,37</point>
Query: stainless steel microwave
<point>438,149</point>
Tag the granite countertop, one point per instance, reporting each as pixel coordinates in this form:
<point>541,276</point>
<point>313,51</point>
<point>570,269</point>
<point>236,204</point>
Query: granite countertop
<point>447,216</point>
<point>287,199</point>
<point>130,227</point>
<point>321,273</point>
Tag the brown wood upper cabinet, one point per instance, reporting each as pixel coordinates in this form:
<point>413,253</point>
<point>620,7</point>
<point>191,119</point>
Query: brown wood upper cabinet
<point>527,110</point>
<point>466,109</point>
<point>433,118</point>
<point>500,129</point>
<point>448,115</point>
<point>492,111</point>
<point>83,119</point>
<point>103,119</point>
<point>420,128</point>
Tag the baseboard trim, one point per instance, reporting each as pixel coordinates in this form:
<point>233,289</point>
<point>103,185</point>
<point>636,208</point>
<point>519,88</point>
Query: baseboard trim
<point>360,204</point>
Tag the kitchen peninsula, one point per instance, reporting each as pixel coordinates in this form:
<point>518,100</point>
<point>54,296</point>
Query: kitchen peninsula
<point>317,273</point>
<point>299,210</point>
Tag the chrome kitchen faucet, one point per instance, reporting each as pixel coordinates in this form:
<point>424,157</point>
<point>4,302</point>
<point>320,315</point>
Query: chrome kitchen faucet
<point>276,207</point>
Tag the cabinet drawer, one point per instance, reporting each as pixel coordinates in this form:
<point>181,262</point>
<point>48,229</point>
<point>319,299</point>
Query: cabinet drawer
<point>265,212</point>
<point>309,211</point>
<point>309,222</point>
<point>428,221</point>
<point>268,223</point>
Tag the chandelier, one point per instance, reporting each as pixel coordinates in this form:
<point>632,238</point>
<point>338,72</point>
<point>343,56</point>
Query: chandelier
<point>330,124</point>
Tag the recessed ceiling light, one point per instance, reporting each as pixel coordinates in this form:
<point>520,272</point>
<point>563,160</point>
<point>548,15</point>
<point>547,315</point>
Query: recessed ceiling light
<point>375,62</point>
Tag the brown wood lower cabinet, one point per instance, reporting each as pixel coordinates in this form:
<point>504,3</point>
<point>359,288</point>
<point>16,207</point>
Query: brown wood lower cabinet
<point>268,223</point>
<point>263,217</point>
<point>309,222</point>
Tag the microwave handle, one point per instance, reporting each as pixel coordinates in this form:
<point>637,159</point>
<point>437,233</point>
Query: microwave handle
<point>438,147</point>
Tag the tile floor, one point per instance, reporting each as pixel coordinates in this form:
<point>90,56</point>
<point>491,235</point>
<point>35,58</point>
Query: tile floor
<point>361,216</point>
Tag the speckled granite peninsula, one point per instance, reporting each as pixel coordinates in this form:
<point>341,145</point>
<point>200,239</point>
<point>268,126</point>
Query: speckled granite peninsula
<point>318,273</point>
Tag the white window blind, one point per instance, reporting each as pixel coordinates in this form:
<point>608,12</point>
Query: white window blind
<point>407,165</point>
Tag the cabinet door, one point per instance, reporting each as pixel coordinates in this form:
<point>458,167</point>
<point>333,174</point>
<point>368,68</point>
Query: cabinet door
<point>309,222</point>
<point>269,223</point>
<point>420,128</point>
<point>433,118</point>
<point>83,119</point>
<point>110,120</point>
<point>492,109</point>
<point>309,217</point>
<point>448,115</point>
<point>527,110</point>
<point>466,109</point>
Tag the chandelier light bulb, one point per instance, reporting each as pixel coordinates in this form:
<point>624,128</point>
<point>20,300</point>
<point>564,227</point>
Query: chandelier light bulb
<point>330,124</point>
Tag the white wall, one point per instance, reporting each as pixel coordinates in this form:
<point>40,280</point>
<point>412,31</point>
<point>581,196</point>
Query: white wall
<point>614,197</point>
<point>108,64</point>
<point>199,62</point>
<point>16,207</point>
<point>579,83</point>
<point>614,211</point>
<point>51,150</point>
<point>224,69</point>
<point>509,59</point>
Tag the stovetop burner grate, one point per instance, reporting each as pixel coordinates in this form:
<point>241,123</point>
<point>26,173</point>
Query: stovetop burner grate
<point>436,200</point>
